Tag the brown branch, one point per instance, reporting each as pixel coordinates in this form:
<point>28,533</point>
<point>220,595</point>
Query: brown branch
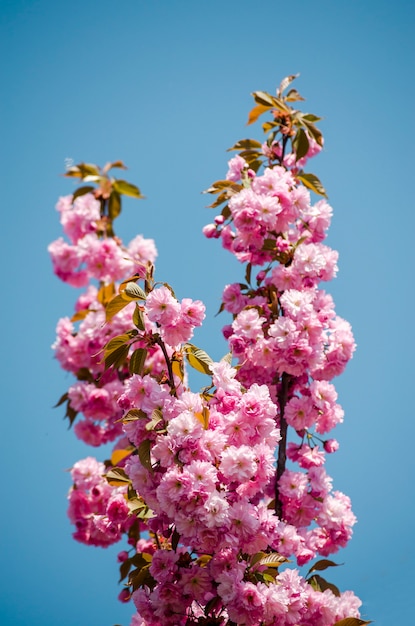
<point>160,343</point>
<point>282,448</point>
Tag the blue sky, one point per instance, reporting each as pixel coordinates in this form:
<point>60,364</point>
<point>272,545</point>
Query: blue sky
<point>165,86</point>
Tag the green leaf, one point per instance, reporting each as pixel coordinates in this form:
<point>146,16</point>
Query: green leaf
<point>255,558</point>
<point>82,170</point>
<point>80,315</point>
<point>144,454</point>
<point>121,186</point>
<point>255,165</point>
<point>312,182</point>
<point>321,584</point>
<point>109,166</point>
<point>141,559</point>
<point>91,178</point>
<point>61,400</point>
<point>300,144</point>
<point>134,291</point>
<point>85,374</point>
<point>256,112</point>
<point>89,169</point>
<point>273,560</point>
<point>203,417</point>
<point>220,185</point>
<point>156,418</point>
<point>81,191</point>
<point>141,577</point>
<point>175,540</point>
<point>267,126</point>
<point>106,293</point>
<point>114,205</point>
<point>70,413</point>
<point>264,98</point>
<point>133,415</point>
<point>124,569</point>
<point>322,565</point>
<point>269,245</point>
<point>138,318</point>
<point>248,273</point>
<point>177,368</point>
<point>286,82</point>
<point>137,361</point>
<point>198,358</point>
<point>251,156</point>
<point>170,288</point>
<point>246,144</point>
<point>293,96</point>
<point>115,306</point>
<point>120,454</point>
<point>117,477</point>
<point>226,212</point>
<point>116,351</point>
<point>314,131</point>
<point>351,621</point>
<point>137,505</point>
<point>309,117</point>
<point>222,197</point>
<point>117,358</point>
<point>116,342</point>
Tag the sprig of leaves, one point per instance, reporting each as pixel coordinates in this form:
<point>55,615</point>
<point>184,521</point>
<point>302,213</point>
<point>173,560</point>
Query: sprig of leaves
<point>107,189</point>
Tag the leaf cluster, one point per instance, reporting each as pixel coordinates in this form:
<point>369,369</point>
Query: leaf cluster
<point>107,189</point>
<point>288,128</point>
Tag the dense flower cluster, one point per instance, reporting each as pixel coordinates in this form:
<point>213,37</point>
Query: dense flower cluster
<point>89,255</point>
<point>99,512</point>
<point>199,482</point>
<point>80,350</point>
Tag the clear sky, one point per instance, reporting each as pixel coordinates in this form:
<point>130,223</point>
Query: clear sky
<point>165,86</point>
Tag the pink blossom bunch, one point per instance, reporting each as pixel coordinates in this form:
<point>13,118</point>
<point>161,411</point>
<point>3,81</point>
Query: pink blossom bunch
<point>89,254</point>
<point>270,212</point>
<point>99,512</point>
<point>204,475</point>
<point>175,320</point>
<point>307,338</point>
<point>79,349</point>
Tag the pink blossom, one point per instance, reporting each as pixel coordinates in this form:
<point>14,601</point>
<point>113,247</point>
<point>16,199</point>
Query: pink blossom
<point>141,250</point>
<point>236,166</point>
<point>66,261</point>
<point>80,218</point>
<point>215,513</point>
<point>104,258</point>
<point>331,445</point>
<point>164,565</point>
<point>293,484</point>
<point>238,463</point>
<point>162,307</point>
<point>233,299</point>
<point>248,323</point>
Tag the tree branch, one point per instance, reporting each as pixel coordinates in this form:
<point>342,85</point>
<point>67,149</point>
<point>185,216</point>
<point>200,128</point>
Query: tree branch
<point>282,448</point>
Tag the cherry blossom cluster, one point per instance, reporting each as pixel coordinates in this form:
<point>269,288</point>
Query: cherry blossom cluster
<point>98,511</point>
<point>88,254</point>
<point>285,329</point>
<point>212,483</point>
<point>80,340</point>
<point>218,491</point>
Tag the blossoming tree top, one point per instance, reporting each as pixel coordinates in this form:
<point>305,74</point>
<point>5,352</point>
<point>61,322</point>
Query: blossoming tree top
<point>199,482</point>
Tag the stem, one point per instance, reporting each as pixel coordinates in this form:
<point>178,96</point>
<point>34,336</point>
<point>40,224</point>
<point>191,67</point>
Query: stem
<point>160,343</point>
<point>284,145</point>
<point>282,448</point>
